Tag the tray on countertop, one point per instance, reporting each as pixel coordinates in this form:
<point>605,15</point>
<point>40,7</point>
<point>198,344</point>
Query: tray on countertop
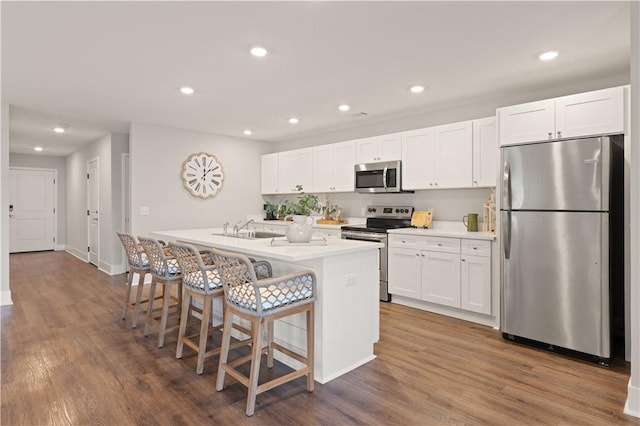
<point>312,242</point>
<point>331,221</point>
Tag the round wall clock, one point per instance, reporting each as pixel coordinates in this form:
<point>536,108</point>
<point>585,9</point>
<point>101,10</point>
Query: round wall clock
<point>202,175</point>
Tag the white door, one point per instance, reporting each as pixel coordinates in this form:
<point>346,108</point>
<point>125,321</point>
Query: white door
<point>475,284</point>
<point>485,152</point>
<point>454,155</point>
<point>31,210</point>
<point>441,278</point>
<point>533,121</point>
<point>592,113</point>
<point>93,210</point>
<point>418,148</point>
<point>269,173</point>
<point>344,160</point>
<point>405,272</point>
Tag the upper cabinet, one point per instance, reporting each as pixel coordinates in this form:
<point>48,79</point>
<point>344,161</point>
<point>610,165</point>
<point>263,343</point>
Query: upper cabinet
<point>438,157</point>
<point>379,148</point>
<point>282,171</point>
<point>269,173</point>
<point>485,152</point>
<point>333,167</point>
<point>585,114</point>
<point>295,168</point>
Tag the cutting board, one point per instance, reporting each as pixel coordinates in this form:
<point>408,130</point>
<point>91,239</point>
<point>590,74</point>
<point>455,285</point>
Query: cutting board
<point>331,222</point>
<point>421,218</point>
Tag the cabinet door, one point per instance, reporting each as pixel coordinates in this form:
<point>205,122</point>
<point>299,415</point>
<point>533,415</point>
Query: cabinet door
<point>534,121</point>
<point>367,150</point>
<point>454,154</point>
<point>323,168</point>
<point>475,284</point>
<point>405,272</point>
<point>344,161</point>
<point>390,147</point>
<point>441,278</point>
<point>269,174</point>
<point>418,149</point>
<point>295,168</point>
<point>485,152</point>
<point>592,113</point>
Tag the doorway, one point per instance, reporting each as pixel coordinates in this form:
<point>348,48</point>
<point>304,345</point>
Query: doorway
<point>32,214</point>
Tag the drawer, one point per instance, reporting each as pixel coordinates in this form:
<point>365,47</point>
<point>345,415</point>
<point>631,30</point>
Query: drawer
<point>327,233</point>
<point>476,247</point>
<point>443,244</point>
<point>407,241</point>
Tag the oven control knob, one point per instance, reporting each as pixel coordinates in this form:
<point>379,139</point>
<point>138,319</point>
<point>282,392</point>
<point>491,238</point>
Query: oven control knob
<point>397,210</point>
<point>372,210</point>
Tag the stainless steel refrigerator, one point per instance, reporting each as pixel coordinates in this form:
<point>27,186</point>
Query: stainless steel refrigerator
<point>557,217</point>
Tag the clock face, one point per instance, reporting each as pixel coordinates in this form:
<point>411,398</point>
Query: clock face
<point>202,175</point>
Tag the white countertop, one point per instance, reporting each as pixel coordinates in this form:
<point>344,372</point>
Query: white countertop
<point>262,247</point>
<point>446,229</point>
<point>350,221</point>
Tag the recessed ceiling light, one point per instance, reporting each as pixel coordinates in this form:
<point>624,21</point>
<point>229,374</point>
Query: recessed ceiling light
<point>59,129</point>
<point>258,51</point>
<point>294,120</point>
<point>248,132</point>
<point>37,148</point>
<point>416,89</point>
<point>548,56</point>
<point>344,107</point>
<point>186,90</point>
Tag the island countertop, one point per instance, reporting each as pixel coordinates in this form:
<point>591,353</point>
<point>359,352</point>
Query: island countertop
<point>262,247</point>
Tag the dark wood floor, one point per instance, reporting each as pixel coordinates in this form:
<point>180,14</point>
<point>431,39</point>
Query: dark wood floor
<point>68,358</point>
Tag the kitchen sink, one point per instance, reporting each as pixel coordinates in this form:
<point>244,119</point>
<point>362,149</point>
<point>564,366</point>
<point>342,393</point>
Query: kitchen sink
<point>251,235</point>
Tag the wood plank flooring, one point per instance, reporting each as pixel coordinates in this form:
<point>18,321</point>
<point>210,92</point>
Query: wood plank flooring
<point>69,359</point>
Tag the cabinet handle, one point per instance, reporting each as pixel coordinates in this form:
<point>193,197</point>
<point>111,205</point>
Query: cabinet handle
<point>423,255</point>
<point>475,248</point>
<point>439,244</point>
<point>463,260</point>
<point>550,135</point>
<point>559,134</point>
<point>436,184</point>
<point>418,254</point>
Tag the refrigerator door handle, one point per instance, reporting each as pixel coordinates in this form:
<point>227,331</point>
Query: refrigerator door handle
<point>506,186</point>
<point>506,233</point>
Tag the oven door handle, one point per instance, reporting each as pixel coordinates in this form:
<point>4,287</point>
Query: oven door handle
<point>362,237</point>
<point>384,178</point>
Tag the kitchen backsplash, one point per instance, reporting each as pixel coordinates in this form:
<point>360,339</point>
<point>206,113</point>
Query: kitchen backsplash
<point>447,204</point>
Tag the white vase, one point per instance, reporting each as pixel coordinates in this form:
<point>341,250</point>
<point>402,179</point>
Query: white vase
<point>300,230</point>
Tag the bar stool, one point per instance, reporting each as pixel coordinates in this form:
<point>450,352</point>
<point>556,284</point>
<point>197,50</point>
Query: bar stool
<point>261,301</point>
<point>139,264</point>
<point>165,271</point>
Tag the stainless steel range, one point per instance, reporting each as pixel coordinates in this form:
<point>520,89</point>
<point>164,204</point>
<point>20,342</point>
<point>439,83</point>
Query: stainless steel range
<point>379,220</point>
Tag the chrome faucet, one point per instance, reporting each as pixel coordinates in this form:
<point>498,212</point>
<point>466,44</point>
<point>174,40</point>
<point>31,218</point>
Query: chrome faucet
<point>225,227</point>
<point>237,228</point>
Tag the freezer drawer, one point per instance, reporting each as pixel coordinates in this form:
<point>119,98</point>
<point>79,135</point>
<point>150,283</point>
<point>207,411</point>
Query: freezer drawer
<point>555,279</point>
<point>560,175</point>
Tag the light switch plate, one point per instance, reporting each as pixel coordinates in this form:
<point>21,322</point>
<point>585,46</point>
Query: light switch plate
<point>144,211</point>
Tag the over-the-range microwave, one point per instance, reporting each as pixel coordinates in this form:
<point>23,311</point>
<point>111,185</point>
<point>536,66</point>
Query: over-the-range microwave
<point>383,177</point>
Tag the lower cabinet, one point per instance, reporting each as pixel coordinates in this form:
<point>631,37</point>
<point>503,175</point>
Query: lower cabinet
<point>447,271</point>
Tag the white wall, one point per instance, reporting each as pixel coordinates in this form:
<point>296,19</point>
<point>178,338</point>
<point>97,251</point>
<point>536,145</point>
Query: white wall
<point>633,393</point>
<point>157,154</point>
<point>119,145</point>
<point>5,291</point>
<point>60,165</point>
<point>109,250</point>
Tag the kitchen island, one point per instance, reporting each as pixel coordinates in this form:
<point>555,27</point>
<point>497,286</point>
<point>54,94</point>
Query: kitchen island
<point>347,309</point>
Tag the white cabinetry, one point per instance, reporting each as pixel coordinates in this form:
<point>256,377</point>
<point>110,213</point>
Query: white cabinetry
<point>269,173</point>
<point>333,167</point>
<point>475,279</point>
<point>438,157</point>
<point>330,234</point>
<point>295,168</point>
<point>379,148</point>
<point>485,152</point>
<point>584,114</point>
<point>446,271</point>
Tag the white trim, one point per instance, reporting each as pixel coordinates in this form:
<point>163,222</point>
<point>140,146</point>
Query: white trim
<point>60,247</point>
<point>97,161</point>
<point>73,252</point>
<point>55,196</point>
<point>125,191</point>
<point>632,406</point>
<point>5,298</point>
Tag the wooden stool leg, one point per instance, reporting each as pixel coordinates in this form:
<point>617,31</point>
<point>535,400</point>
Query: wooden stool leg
<point>204,334</point>
<point>256,352</point>
<point>184,317</point>
<point>152,295</point>
<point>269,344</point>
<point>128,295</point>
<point>165,313</point>
<point>224,347</point>
<point>136,309</point>
<point>310,346</point>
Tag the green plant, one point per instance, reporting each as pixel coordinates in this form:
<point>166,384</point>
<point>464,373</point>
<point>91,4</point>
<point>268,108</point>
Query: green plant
<point>271,210</point>
<point>306,203</point>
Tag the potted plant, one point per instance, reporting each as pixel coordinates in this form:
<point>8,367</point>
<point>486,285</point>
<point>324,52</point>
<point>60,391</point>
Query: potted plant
<point>271,210</point>
<point>300,230</point>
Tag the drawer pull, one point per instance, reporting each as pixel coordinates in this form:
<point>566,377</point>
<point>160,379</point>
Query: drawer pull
<point>439,244</point>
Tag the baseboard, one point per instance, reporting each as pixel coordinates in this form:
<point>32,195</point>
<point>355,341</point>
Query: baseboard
<point>5,298</point>
<point>632,406</point>
<point>60,247</point>
<point>80,255</point>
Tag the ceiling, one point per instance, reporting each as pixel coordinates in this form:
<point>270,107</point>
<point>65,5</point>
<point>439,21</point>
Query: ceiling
<point>98,66</point>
